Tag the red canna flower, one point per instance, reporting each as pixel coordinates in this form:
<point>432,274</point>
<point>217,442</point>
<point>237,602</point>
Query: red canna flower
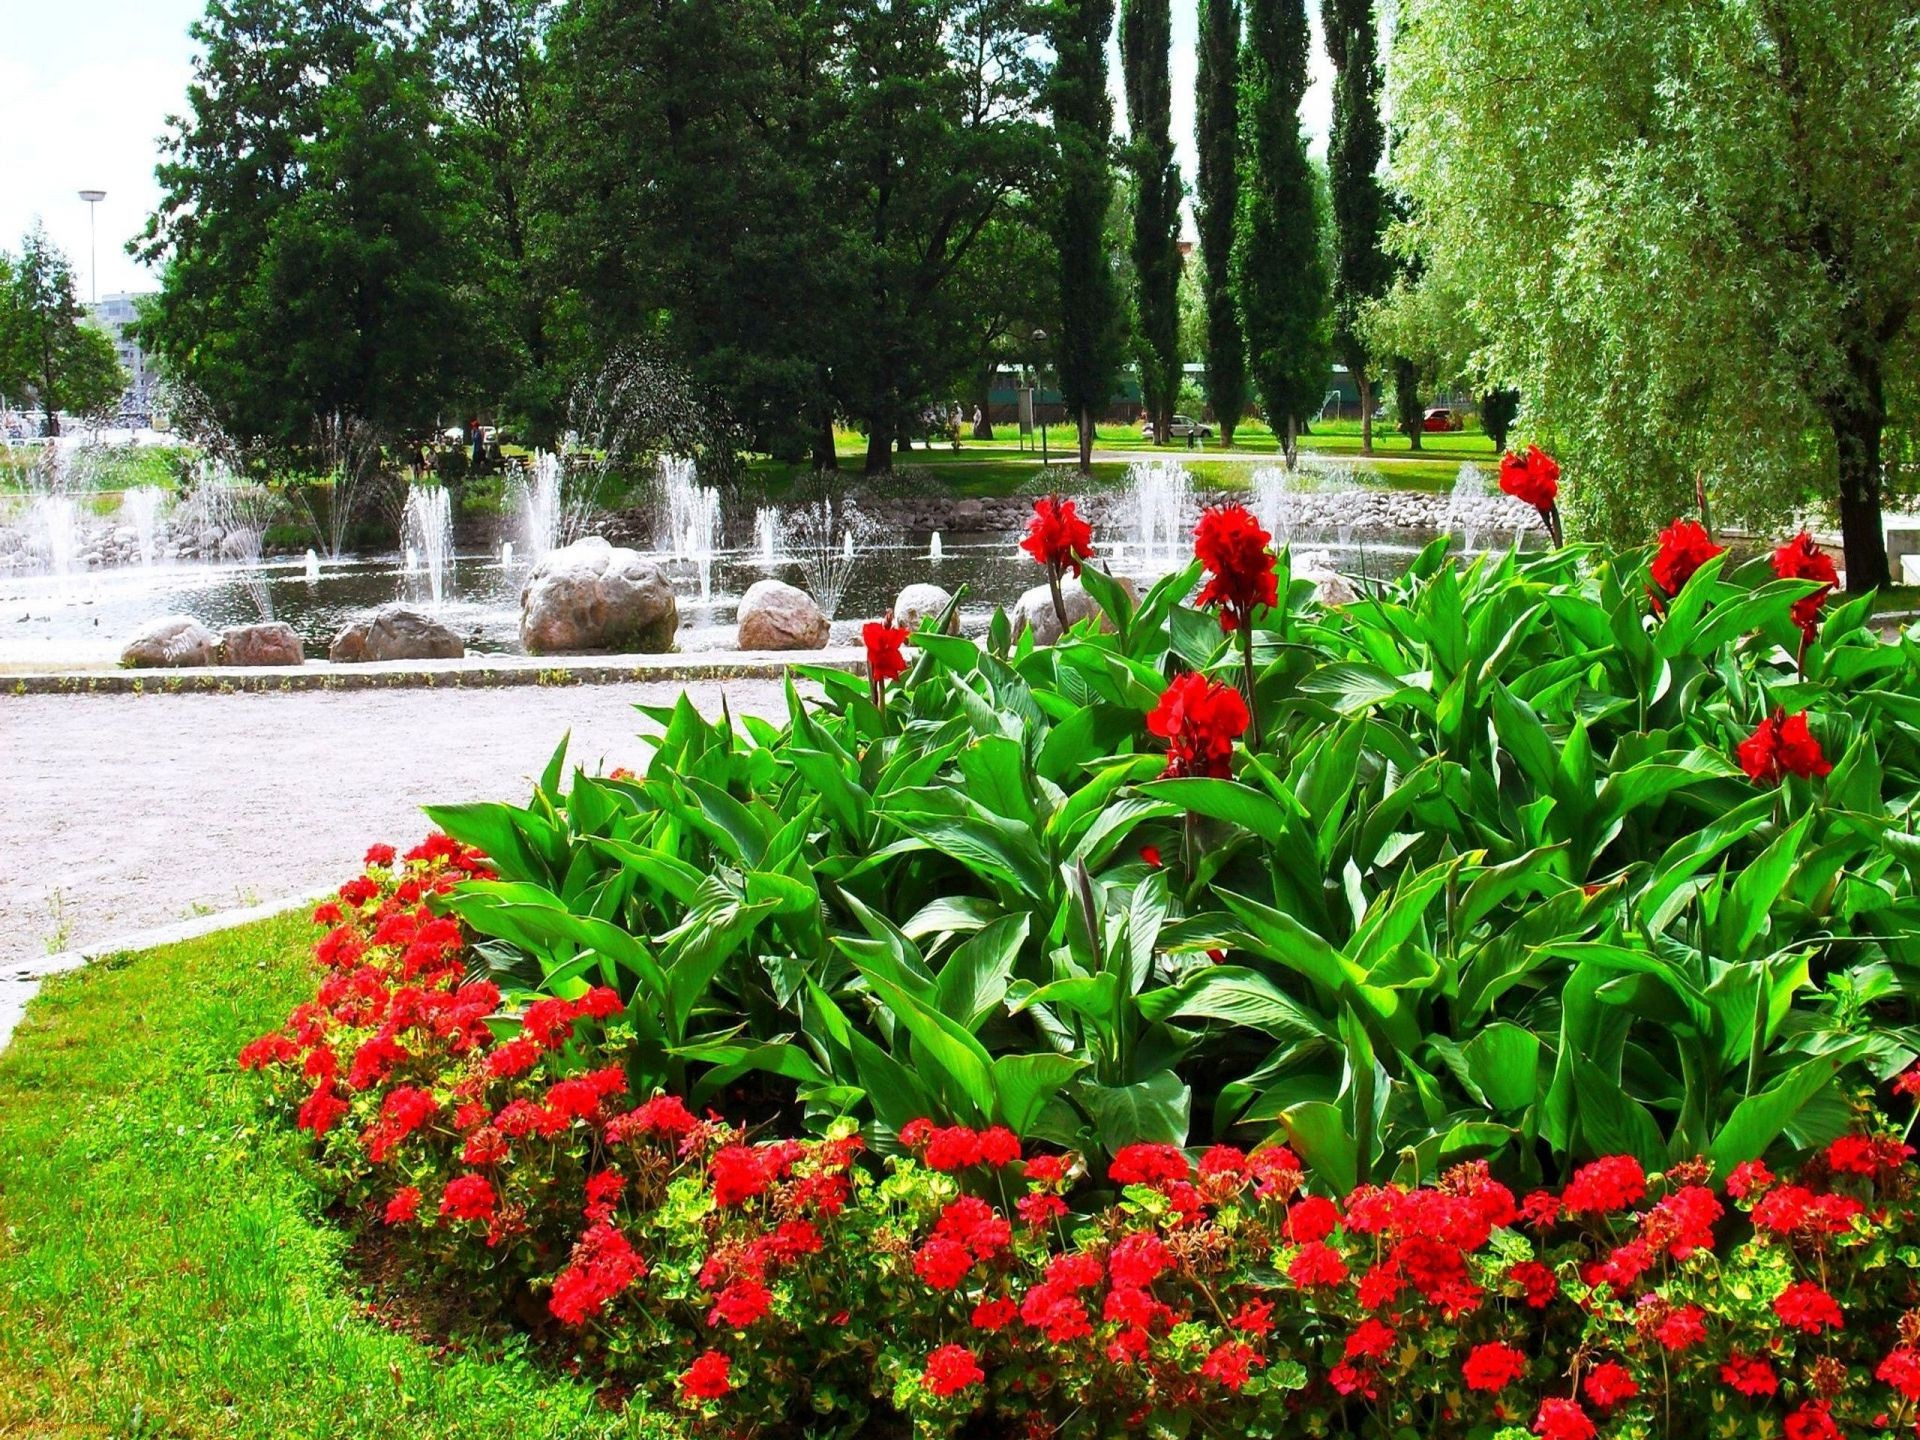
<point>1684,547</point>
<point>1781,745</point>
<point>1533,478</point>
<point>951,1369</point>
<point>1200,719</point>
<point>1056,536</point>
<point>884,660</point>
<point>1240,572</point>
<point>1801,559</point>
<point>707,1378</point>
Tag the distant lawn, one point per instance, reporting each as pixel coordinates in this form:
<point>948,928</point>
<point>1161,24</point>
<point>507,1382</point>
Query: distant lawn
<point>164,1267</point>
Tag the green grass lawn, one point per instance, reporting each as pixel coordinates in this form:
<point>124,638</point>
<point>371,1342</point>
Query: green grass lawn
<point>164,1266</point>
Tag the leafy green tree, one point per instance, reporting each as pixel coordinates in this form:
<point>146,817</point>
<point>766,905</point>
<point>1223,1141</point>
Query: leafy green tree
<point>1498,410</point>
<point>1146,39</point>
<point>50,351</point>
<point>1279,270</point>
<point>937,140</point>
<point>488,62</point>
<point>1090,336</point>
<point>1691,235</point>
<point>687,195</point>
<point>315,240</point>
<point>1217,132</point>
<point>1361,267</point>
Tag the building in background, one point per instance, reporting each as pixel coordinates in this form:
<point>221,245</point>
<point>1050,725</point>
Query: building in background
<point>115,314</point>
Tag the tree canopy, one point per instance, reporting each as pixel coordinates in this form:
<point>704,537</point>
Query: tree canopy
<point>1689,234</point>
<point>51,353</point>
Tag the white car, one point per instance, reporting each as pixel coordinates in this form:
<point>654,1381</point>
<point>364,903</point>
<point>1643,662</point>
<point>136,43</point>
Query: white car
<point>1180,428</point>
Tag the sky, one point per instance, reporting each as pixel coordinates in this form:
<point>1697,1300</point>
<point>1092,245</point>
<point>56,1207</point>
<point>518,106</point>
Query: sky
<point>86,87</point>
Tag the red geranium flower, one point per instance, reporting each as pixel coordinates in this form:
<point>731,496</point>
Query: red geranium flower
<point>1808,1308</point>
<point>1231,1362</point>
<point>1813,1421</point>
<point>1801,559</point>
<point>707,1378</point>
<point>1781,745</point>
<point>1901,1370</point>
<point>1610,1183</point>
<point>467,1197</point>
<point>951,1369</point>
<point>1560,1419</point>
<point>1056,536</point>
<point>1240,573</point>
<point>1682,1329</point>
<point>884,660</point>
<point>1684,547</point>
<point>1609,1383</point>
<point>404,1206</point>
<point>1493,1366</point>
<point>1200,719</point>
<point>1751,1375</point>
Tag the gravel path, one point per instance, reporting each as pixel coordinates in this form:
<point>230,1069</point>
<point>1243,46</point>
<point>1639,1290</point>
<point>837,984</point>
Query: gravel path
<point>122,814</point>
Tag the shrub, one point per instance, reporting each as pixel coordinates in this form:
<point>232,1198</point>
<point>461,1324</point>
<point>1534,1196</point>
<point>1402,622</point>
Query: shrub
<point>800,1284</point>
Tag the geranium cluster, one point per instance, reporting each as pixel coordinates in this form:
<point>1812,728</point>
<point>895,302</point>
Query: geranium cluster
<point>749,1281</point>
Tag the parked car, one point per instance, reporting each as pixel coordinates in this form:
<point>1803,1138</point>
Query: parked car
<point>1180,428</point>
<point>1441,418</point>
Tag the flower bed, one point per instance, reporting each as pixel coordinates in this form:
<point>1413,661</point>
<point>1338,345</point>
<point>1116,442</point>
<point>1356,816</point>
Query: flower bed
<point>1535,906</point>
<point>782,1282</point>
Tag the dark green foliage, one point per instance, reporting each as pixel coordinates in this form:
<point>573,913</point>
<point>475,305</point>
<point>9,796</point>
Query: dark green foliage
<point>314,229</point>
<point>1091,331</point>
<point>1145,57</point>
<point>1217,133</point>
<point>1361,267</point>
<point>49,352</point>
<point>1279,268</point>
<point>1406,399</point>
<point>1497,411</point>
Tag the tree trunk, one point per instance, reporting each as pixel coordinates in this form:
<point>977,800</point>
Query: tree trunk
<point>879,451</point>
<point>1086,440</point>
<point>1858,414</point>
<point>983,401</point>
<point>824,455</point>
<point>1366,411</point>
<point>1226,421</point>
<point>1292,442</point>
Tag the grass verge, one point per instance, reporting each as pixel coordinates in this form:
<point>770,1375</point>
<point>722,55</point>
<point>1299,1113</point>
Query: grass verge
<point>165,1269</point>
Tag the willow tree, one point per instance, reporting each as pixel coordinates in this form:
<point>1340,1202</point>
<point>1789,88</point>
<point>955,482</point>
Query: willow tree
<point>1217,127</point>
<point>1146,40</point>
<point>1279,271</point>
<point>1355,146</point>
<point>1091,327</point>
<point>1691,235</point>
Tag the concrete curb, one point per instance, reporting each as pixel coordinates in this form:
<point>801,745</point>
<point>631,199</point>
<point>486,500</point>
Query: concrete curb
<point>489,672</point>
<point>18,986</point>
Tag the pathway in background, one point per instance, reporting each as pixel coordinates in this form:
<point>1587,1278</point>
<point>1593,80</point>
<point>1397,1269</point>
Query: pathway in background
<point>120,814</point>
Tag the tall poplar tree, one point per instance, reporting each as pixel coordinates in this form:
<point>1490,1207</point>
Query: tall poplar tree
<point>1279,271</point>
<point>1361,268</point>
<point>1091,327</point>
<point>1146,38</point>
<point>1217,130</point>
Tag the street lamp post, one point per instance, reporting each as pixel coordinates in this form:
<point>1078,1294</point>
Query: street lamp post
<point>93,199</point>
<point>1040,340</point>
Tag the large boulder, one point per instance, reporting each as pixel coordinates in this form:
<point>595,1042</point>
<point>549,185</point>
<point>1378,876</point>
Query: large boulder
<point>271,643</point>
<point>776,616</point>
<point>917,603</point>
<point>1034,609</point>
<point>169,643</point>
<point>395,633</point>
<point>591,595</point>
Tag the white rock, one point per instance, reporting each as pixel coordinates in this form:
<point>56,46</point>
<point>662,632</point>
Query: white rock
<point>921,602</point>
<point>169,642</point>
<point>395,633</point>
<point>591,595</point>
<point>774,615</point>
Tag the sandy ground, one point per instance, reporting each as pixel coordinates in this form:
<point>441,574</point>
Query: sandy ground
<point>124,814</point>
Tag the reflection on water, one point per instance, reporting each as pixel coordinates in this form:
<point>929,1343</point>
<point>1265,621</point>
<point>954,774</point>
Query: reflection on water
<point>85,618</point>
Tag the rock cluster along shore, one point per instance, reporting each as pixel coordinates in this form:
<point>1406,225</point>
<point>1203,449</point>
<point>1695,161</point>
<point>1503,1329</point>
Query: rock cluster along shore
<point>107,542</point>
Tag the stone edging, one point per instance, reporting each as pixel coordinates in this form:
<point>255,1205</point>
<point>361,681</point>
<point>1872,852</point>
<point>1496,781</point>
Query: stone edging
<point>470,673</point>
<point>18,985</point>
